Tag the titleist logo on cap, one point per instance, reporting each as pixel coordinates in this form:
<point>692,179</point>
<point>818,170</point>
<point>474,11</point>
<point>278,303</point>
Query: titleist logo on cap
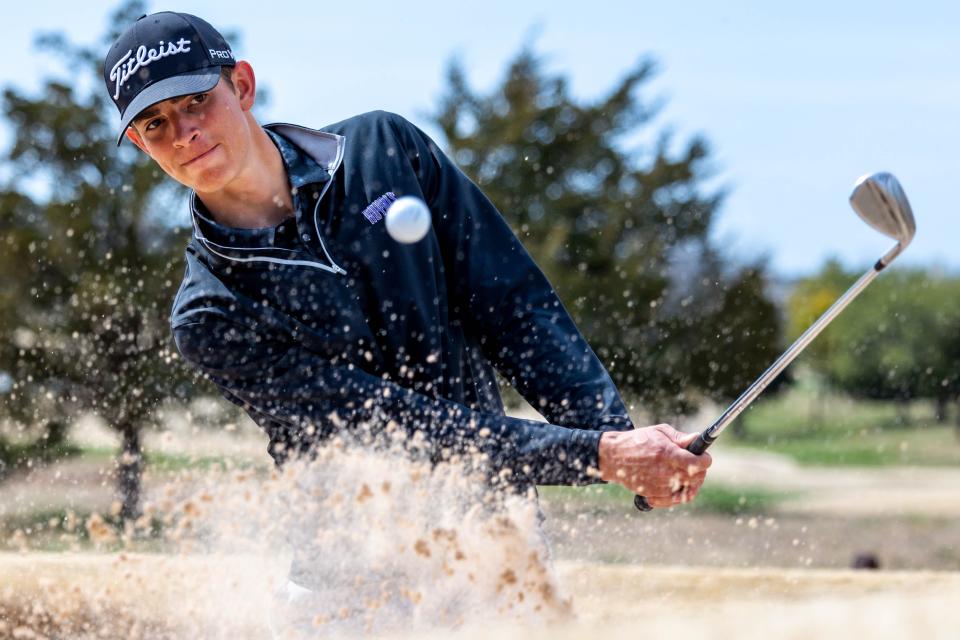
<point>143,58</point>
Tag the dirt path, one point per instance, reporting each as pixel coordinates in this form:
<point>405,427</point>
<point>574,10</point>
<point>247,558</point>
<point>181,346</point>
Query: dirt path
<point>77,484</point>
<point>792,541</point>
<point>866,491</point>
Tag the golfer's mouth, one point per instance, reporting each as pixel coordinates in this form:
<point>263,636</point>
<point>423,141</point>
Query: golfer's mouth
<point>201,156</point>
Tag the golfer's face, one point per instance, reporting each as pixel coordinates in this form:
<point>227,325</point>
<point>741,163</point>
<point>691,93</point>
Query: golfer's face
<point>198,140</point>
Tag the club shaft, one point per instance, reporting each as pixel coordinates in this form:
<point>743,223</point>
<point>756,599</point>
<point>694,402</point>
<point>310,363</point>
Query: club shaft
<point>755,389</point>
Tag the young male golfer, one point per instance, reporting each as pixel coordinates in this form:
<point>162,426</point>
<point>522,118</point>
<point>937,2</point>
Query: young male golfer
<point>299,306</point>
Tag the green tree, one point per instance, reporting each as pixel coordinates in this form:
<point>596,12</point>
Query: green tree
<point>743,327</point>
<point>622,234</point>
<point>897,341</point>
<point>808,300</point>
<point>90,260</point>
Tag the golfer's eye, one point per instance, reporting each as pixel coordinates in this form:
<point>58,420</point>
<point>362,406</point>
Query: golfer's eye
<point>197,99</point>
<point>152,124</point>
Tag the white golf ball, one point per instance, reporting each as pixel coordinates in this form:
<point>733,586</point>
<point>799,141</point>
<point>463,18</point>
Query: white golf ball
<point>408,219</point>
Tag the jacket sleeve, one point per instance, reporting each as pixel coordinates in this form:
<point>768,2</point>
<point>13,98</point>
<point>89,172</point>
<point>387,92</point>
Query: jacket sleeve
<point>300,398</point>
<point>505,299</point>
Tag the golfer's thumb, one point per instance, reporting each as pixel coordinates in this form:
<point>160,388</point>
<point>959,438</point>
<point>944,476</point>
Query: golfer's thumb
<point>686,457</point>
<point>679,438</point>
<point>704,459</point>
<point>685,439</point>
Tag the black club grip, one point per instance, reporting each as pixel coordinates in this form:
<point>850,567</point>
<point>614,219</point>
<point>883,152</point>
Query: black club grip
<point>701,444</point>
<point>698,446</point>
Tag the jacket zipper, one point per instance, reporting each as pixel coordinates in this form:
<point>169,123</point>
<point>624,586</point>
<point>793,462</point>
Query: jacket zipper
<point>316,225</point>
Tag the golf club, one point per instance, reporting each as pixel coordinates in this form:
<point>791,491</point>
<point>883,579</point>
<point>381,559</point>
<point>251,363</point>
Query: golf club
<point>880,201</point>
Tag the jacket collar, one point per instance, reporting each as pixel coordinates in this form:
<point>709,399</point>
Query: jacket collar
<point>325,148</point>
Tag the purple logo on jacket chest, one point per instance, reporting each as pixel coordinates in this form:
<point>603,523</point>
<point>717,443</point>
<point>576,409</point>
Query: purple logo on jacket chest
<point>378,208</point>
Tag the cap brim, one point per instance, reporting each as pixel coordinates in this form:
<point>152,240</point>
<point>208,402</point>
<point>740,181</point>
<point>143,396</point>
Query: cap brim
<point>181,85</point>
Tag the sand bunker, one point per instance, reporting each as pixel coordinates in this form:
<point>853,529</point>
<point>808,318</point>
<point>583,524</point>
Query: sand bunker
<point>144,596</point>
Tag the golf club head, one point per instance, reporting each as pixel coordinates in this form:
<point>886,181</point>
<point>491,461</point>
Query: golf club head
<point>879,199</point>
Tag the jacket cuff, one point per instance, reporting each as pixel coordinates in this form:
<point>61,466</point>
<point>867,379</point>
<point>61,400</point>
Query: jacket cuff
<point>583,456</point>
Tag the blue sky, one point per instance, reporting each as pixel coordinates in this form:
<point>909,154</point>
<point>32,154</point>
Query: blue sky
<point>796,101</point>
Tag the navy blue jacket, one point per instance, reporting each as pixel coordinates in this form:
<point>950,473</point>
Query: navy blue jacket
<point>325,324</point>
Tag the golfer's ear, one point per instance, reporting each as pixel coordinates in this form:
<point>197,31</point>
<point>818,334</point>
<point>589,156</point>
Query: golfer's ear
<point>244,84</point>
<point>135,138</point>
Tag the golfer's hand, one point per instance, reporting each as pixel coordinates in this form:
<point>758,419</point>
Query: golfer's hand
<point>654,462</point>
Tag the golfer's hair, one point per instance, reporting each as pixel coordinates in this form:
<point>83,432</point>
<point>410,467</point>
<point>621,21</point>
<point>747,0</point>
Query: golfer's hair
<point>226,75</point>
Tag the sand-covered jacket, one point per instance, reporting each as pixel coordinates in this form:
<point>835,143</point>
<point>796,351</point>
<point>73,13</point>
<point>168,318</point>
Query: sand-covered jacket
<point>324,324</point>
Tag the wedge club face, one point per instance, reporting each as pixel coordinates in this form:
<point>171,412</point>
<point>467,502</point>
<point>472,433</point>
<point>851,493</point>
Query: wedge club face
<point>881,202</point>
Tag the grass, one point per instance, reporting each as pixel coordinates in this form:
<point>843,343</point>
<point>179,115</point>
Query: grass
<point>712,498</point>
<point>57,530</point>
<point>15,455</point>
<point>174,462</point>
<point>817,428</point>
<point>159,462</point>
